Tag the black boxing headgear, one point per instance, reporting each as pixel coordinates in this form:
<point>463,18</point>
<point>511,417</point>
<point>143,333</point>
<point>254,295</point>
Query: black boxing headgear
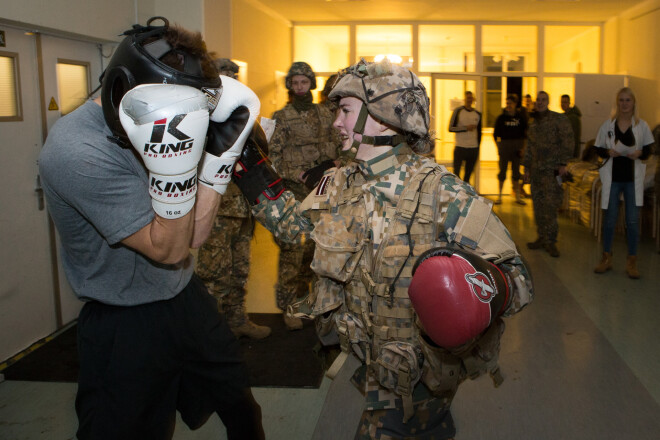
<point>135,63</point>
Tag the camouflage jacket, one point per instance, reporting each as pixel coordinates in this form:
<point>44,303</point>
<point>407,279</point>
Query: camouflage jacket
<point>233,203</point>
<point>549,143</point>
<point>358,216</point>
<point>302,140</point>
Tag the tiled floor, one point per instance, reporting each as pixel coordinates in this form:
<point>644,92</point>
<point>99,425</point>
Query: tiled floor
<point>582,362</point>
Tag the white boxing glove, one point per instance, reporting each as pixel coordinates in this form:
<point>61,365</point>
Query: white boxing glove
<point>231,123</point>
<point>167,125</point>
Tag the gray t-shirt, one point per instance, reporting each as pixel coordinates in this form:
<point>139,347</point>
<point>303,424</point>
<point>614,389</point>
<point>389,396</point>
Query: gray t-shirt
<point>97,194</point>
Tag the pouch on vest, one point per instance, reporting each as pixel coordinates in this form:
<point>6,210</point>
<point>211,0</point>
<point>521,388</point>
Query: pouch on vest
<point>325,329</point>
<point>339,246</point>
<point>484,355</point>
<point>352,335</point>
<point>442,372</point>
<point>398,368</point>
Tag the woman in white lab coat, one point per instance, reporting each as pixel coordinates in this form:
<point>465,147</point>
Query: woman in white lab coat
<point>624,141</point>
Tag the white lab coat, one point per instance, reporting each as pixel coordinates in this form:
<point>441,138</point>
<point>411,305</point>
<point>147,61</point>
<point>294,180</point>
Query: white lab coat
<point>605,138</point>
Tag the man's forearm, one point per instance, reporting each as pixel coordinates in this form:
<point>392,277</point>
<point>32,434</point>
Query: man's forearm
<point>206,209</point>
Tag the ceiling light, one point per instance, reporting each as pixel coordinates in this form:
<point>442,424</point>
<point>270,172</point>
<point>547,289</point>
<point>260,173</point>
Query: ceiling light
<point>393,58</point>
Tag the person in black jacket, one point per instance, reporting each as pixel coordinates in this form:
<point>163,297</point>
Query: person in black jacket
<point>510,132</point>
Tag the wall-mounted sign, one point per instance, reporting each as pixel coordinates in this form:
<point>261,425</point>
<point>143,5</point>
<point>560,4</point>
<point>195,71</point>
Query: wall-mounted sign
<point>53,104</point>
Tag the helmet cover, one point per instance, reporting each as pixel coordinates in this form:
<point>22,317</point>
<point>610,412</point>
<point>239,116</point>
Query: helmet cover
<point>135,62</point>
<point>300,68</point>
<point>391,93</point>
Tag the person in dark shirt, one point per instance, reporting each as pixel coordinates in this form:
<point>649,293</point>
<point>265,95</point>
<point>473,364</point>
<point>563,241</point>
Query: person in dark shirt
<point>624,141</point>
<point>509,134</point>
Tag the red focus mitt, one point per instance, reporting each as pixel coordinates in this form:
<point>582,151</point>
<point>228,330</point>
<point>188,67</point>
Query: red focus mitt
<point>457,294</point>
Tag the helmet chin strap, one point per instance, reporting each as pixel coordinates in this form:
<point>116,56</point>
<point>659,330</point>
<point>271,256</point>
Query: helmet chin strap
<point>368,140</point>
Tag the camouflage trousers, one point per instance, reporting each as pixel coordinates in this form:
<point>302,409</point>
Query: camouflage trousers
<point>546,197</point>
<point>294,273</point>
<point>223,263</point>
<point>432,419</point>
<point>430,422</point>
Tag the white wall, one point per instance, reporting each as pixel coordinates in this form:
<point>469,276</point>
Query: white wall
<point>96,19</point>
<point>632,45</point>
<point>262,39</point>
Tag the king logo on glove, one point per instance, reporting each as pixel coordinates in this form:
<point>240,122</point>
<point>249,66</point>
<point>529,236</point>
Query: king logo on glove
<point>155,145</point>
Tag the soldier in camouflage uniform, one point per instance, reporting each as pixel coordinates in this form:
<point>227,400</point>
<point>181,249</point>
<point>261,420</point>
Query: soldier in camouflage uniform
<point>370,220</point>
<point>303,140</point>
<point>223,261</point>
<point>549,148</point>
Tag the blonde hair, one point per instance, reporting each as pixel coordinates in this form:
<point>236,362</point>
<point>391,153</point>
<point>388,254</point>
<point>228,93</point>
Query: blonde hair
<point>628,90</point>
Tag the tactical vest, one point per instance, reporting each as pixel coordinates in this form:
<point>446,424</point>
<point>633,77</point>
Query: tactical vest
<point>309,144</point>
<point>373,315</point>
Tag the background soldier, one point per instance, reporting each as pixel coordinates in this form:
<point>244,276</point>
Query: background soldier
<point>223,262</point>
<point>549,148</point>
<point>302,147</point>
<point>574,116</point>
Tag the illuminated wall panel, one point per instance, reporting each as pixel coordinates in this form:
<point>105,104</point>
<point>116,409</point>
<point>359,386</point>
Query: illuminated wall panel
<point>572,49</point>
<point>446,48</point>
<point>325,48</point>
<point>509,48</point>
<point>384,40</point>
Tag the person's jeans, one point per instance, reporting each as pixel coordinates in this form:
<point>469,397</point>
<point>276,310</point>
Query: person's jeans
<point>632,216</point>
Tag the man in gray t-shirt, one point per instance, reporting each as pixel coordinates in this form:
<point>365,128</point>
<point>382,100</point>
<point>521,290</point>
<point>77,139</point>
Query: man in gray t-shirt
<point>150,339</point>
<point>101,199</point>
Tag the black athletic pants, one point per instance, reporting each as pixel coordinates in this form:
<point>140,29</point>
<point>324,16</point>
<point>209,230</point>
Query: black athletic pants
<point>140,364</point>
<point>467,155</point>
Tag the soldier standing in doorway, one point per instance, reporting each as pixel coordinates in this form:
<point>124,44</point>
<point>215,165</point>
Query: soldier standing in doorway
<point>303,146</point>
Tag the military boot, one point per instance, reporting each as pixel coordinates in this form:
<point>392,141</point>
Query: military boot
<point>538,244</point>
<point>605,263</point>
<point>551,248</point>
<point>251,330</point>
<point>631,267</point>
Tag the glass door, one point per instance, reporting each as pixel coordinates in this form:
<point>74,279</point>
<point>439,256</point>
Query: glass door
<point>447,93</point>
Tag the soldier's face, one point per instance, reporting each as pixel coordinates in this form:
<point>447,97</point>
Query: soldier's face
<point>541,102</point>
<point>300,84</point>
<point>347,115</point>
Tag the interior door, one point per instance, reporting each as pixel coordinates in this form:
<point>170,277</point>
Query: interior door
<point>62,51</point>
<point>35,298</point>
<point>26,291</point>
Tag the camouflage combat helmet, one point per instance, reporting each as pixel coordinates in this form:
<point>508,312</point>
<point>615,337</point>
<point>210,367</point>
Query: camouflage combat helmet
<point>300,68</point>
<point>390,93</point>
<point>226,67</point>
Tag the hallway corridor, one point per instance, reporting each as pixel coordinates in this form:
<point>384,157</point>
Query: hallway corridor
<point>581,362</point>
